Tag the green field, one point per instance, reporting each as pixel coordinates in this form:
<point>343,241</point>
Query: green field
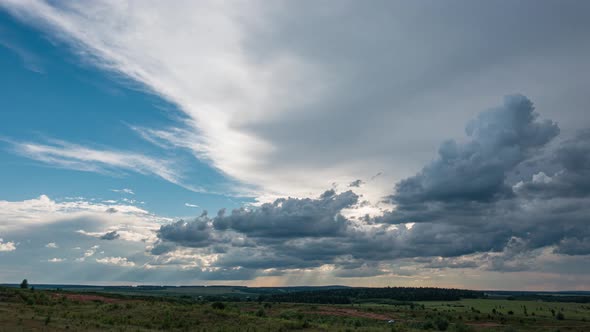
<point>51,310</point>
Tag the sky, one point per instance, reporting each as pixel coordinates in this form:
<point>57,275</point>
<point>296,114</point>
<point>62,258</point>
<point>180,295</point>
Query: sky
<point>390,143</point>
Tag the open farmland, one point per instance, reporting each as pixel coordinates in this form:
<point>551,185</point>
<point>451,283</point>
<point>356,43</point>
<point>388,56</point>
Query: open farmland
<point>53,310</point>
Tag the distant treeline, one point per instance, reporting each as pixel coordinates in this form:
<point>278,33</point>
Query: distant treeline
<point>355,295</point>
<point>577,297</point>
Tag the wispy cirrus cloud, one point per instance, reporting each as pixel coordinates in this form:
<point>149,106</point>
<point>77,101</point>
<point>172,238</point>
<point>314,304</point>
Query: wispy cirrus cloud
<point>124,191</point>
<point>269,102</point>
<point>61,154</point>
<point>30,60</point>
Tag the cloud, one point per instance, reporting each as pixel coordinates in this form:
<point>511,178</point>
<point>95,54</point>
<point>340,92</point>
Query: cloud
<point>270,103</point>
<point>356,183</point>
<point>117,261</point>
<point>572,175</point>
<point>30,60</point>
<point>110,236</point>
<point>56,260</point>
<point>191,205</point>
<point>246,99</point>
<point>292,217</point>
<point>7,246</point>
<point>196,233</point>
<point>476,171</point>
<point>72,156</point>
<point>124,191</point>
<point>467,209</point>
<point>44,210</point>
<point>574,246</point>
<point>51,245</point>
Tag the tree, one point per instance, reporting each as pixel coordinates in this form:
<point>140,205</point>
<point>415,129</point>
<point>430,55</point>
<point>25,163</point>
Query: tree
<point>24,284</point>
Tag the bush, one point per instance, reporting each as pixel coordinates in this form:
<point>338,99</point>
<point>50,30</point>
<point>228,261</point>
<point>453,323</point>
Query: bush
<point>218,305</point>
<point>441,324</point>
<point>428,325</point>
<point>560,316</point>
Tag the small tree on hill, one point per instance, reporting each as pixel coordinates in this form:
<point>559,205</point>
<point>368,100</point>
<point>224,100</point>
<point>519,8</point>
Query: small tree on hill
<point>24,284</point>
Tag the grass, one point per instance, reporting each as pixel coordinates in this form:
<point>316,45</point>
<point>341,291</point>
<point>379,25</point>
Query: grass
<point>26,310</point>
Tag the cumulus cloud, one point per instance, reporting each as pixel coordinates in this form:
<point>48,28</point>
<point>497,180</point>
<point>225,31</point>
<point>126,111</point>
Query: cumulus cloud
<point>292,217</point>
<point>476,171</point>
<point>117,261</point>
<point>43,210</point>
<point>7,246</point>
<point>464,210</point>
<point>572,175</point>
<point>196,233</point>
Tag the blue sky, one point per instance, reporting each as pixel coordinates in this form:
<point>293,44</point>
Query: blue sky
<point>424,144</point>
<point>52,95</point>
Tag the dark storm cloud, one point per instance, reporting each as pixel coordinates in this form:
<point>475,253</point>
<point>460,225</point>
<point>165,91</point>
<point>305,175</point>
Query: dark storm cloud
<point>110,236</point>
<point>574,246</point>
<point>195,233</point>
<point>472,208</point>
<point>292,217</point>
<point>476,171</point>
<point>571,179</point>
<point>463,43</point>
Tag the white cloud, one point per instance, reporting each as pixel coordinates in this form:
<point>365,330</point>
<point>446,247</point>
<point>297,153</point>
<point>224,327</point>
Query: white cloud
<point>7,246</point>
<point>269,102</point>
<point>56,260</point>
<point>51,245</point>
<point>191,205</point>
<point>124,191</point>
<point>118,261</point>
<point>42,210</point>
<point>72,156</point>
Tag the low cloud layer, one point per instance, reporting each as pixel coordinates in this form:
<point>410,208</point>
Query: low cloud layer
<point>482,203</point>
<point>510,198</point>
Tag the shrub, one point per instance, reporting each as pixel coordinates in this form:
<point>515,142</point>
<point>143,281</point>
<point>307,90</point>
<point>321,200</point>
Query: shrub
<point>218,305</point>
<point>560,316</point>
<point>441,324</point>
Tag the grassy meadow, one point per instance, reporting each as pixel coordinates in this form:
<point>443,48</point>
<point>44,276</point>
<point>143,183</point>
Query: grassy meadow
<point>54,310</point>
